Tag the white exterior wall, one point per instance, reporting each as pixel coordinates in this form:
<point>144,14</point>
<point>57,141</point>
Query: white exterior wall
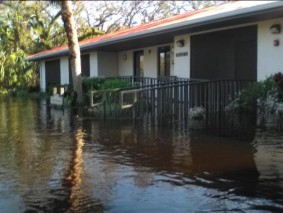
<point>64,70</point>
<point>182,63</point>
<point>42,76</point>
<point>126,66</point>
<point>269,57</point>
<point>125,63</point>
<point>93,65</point>
<point>150,61</point>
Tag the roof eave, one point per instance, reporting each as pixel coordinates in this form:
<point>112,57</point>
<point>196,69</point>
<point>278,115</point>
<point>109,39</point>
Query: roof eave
<point>59,53</point>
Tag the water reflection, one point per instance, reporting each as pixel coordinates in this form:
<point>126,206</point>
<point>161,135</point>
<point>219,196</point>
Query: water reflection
<point>79,195</point>
<point>51,160</point>
<point>225,167</point>
<point>268,158</point>
<point>74,177</point>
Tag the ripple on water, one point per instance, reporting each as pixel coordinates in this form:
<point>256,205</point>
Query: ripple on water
<point>50,161</point>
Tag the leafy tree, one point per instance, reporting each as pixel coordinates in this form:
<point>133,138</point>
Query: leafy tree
<point>14,46</point>
<point>110,16</point>
<point>31,26</point>
<point>28,27</point>
<point>44,24</point>
<point>196,5</point>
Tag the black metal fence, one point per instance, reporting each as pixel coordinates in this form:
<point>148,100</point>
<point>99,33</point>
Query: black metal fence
<point>144,82</point>
<point>165,98</point>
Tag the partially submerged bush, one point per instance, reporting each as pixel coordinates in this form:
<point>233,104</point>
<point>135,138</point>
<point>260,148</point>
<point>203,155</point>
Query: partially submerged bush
<point>197,113</point>
<point>88,84</point>
<point>94,83</point>
<point>115,83</point>
<point>278,78</point>
<point>263,96</point>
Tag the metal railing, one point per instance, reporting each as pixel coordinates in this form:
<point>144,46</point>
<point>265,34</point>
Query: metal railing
<point>153,98</point>
<point>138,82</point>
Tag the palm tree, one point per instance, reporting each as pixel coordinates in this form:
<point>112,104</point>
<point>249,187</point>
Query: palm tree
<point>74,48</point>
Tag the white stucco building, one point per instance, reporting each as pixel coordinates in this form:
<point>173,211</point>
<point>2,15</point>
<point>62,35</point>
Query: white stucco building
<point>237,40</point>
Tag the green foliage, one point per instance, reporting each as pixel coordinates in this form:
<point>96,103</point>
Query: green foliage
<point>278,78</point>
<point>115,83</point>
<point>94,83</point>
<point>263,96</point>
<point>88,32</point>
<point>29,27</point>
<point>16,72</point>
<point>20,22</point>
<point>49,89</point>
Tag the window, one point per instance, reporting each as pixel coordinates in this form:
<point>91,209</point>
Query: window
<point>164,61</point>
<point>85,67</point>
<point>139,63</point>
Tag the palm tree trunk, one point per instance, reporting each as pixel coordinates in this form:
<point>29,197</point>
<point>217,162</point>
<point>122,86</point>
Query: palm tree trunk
<point>74,48</point>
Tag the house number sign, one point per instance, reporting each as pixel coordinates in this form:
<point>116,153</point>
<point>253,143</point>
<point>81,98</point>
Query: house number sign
<point>182,54</point>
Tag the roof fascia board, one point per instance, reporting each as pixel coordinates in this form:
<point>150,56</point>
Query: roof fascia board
<point>57,54</point>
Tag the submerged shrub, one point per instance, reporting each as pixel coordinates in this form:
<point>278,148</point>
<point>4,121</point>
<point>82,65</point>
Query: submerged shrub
<point>92,83</point>
<point>197,113</point>
<point>115,83</point>
<point>278,78</point>
<point>96,83</point>
<point>263,96</point>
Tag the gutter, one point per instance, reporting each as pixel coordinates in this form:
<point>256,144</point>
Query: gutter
<point>226,16</point>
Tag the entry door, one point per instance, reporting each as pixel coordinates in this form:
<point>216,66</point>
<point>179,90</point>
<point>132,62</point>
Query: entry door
<point>245,60</point>
<point>139,63</point>
<point>164,61</point>
<point>52,72</point>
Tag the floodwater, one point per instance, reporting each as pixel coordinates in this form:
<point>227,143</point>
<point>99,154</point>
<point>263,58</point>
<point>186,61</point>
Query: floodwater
<point>54,161</point>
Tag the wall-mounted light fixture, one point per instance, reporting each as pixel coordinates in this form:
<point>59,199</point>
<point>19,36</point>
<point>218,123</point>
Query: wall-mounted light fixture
<point>125,57</point>
<point>181,43</point>
<point>275,28</point>
<point>276,43</point>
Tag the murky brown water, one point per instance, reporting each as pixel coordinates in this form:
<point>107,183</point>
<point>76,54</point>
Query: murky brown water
<point>53,161</point>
